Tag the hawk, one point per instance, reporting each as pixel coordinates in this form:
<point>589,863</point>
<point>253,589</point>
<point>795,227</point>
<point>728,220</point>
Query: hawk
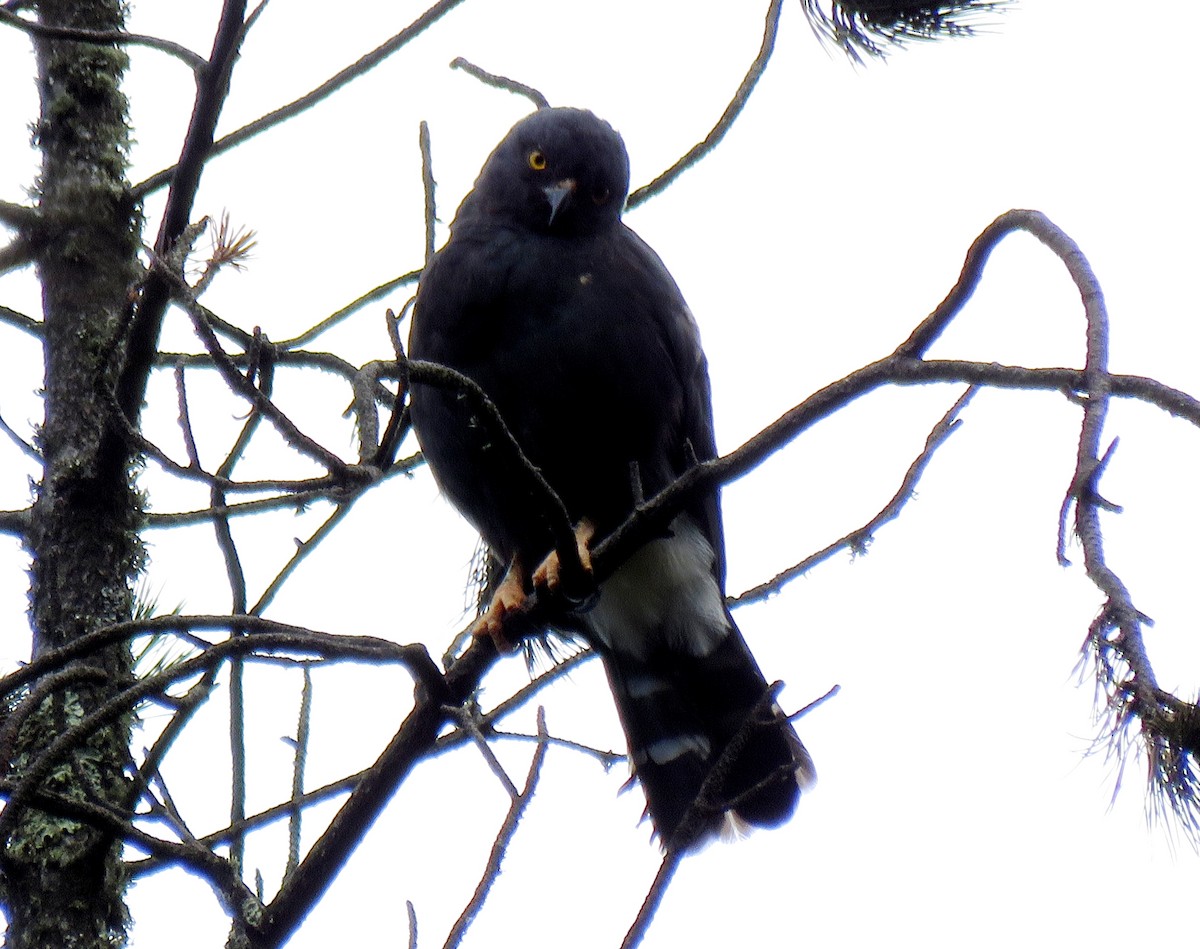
<point>576,332</point>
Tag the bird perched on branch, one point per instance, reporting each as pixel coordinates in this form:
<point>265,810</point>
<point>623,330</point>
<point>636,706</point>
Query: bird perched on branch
<point>575,331</point>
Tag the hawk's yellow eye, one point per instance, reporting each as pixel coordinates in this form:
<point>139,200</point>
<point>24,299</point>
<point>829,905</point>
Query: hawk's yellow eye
<point>537,161</point>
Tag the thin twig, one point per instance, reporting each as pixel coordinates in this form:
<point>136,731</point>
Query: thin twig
<point>297,501</point>
<point>521,697</point>
<point>328,854</point>
<point>185,709</point>
<point>300,756</point>
<point>237,702</point>
<point>243,387</point>
<point>428,186</point>
<point>17,253</point>
<point>307,101</point>
<point>500,846</point>
<point>185,419</point>
<point>26,324</point>
<point>658,889</point>
<point>815,704</point>
<point>501,82</point>
<point>288,346</point>
<point>607,758</point>
<point>725,122</point>
<point>264,818</point>
<point>167,810</point>
<point>26,449</point>
<point>192,60</point>
<point>303,549</point>
<point>470,726</point>
<point>857,540</point>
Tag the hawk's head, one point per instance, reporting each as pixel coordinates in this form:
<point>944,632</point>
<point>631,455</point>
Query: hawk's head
<point>559,171</point>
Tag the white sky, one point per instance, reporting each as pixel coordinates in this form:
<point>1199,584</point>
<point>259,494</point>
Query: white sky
<point>956,805</point>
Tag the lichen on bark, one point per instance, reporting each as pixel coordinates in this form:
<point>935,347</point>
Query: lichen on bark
<point>63,881</point>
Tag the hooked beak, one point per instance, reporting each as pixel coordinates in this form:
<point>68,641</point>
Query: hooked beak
<point>557,194</point>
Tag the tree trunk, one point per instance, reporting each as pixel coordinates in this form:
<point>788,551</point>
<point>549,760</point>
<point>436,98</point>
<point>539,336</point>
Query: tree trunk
<point>63,880</point>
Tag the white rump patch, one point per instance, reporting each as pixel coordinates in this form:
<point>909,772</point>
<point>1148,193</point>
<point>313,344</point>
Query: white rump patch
<point>664,592</point>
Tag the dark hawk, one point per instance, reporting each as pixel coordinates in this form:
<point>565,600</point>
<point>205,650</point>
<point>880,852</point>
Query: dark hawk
<point>575,330</point>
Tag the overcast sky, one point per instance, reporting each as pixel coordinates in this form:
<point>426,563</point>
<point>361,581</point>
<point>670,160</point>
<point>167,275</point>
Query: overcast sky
<point>957,804</point>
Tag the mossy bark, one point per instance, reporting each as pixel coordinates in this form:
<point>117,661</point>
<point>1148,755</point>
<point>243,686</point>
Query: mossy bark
<point>63,881</point>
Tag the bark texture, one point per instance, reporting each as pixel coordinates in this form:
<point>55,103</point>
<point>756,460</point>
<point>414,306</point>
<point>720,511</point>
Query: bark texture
<point>63,880</point>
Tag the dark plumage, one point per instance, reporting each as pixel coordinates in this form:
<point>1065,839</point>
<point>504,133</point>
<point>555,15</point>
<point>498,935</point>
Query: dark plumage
<point>575,330</point>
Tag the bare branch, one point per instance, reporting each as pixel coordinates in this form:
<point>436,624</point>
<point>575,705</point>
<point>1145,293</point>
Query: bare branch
<point>412,924</point>
<point>280,356</point>
<point>365,388</point>
<point>185,420</point>
<point>298,501</point>
<point>26,449</point>
<point>427,186</point>
<point>212,87</point>
<point>981,248</point>
<point>243,387</point>
<point>467,722</point>
<point>307,101</point>
<point>14,523</point>
<point>522,696</point>
<point>658,889</point>
<point>500,846</point>
<point>501,82</point>
<point>815,703</point>
<point>606,757</point>
<point>323,862</point>
<point>17,253</point>
<point>303,722</point>
<point>22,322</point>
<point>725,122</point>
<point>371,296</point>
<point>185,708</point>
<point>267,635</point>
<point>19,217</point>
<point>303,549</point>
<point>264,818</point>
<point>399,422</point>
<point>193,61</point>
<point>857,540</point>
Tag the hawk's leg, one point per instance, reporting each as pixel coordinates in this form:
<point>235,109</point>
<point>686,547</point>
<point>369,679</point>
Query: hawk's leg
<point>549,571</point>
<point>508,598</point>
